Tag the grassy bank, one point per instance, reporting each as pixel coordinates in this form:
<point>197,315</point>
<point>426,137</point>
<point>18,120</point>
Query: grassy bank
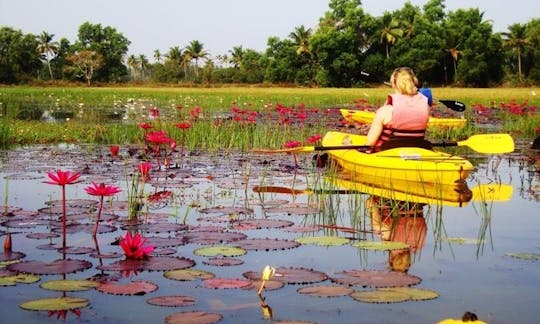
<point>86,113</point>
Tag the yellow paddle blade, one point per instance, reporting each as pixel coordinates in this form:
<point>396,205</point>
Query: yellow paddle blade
<point>489,143</point>
<point>492,192</point>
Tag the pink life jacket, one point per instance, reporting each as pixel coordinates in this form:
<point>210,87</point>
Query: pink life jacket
<point>409,119</point>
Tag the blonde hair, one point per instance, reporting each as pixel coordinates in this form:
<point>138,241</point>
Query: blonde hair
<point>404,80</point>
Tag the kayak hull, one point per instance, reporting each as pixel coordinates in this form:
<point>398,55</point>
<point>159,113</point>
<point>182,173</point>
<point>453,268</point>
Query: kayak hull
<point>398,166</point>
<point>366,117</point>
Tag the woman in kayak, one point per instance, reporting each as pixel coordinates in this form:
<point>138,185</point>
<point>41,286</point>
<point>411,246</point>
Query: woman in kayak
<point>402,121</point>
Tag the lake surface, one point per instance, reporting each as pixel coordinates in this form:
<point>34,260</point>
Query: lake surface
<point>466,257</point>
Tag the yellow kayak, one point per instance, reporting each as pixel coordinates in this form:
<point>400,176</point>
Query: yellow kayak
<point>366,117</point>
<point>396,166</point>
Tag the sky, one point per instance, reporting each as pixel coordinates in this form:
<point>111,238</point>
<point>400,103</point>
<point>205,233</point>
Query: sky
<point>218,24</point>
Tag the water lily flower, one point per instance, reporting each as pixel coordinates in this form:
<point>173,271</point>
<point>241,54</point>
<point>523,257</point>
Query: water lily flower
<point>292,144</point>
<point>183,125</point>
<point>144,169</point>
<point>134,248</point>
<point>266,275</point>
<point>314,139</point>
<point>114,150</point>
<point>101,190</point>
<point>144,126</point>
<point>63,178</point>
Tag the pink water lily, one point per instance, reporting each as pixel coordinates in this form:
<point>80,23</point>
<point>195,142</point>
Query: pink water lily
<point>101,190</point>
<point>63,178</point>
<point>134,248</point>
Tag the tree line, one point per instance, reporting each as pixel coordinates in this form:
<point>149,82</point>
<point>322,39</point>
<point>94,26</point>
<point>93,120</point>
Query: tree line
<point>455,48</point>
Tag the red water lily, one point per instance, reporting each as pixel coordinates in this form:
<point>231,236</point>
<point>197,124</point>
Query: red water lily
<point>63,178</point>
<point>144,126</point>
<point>314,139</point>
<point>134,248</point>
<point>144,169</point>
<point>183,125</point>
<point>101,190</point>
<point>114,150</point>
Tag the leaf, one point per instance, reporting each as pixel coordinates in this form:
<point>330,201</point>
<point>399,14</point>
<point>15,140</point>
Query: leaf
<point>414,293</point>
<point>325,291</point>
<point>54,304</point>
<point>381,245</point>
<point>69,285</point>
<point>132,288</point>
<point>323,240</point>
<point>20,278</point>
<point>172,301</point>
<point>193,317</point>
<point>227,251</point>
<point>380,296</point>
<point>375,278</point>
<point>188,274</point>
<point>525,256</point>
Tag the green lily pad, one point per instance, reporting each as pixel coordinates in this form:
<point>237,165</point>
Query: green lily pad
<point>20,278</point>
<point>381,245</point>
<point>69,285</point>
<point>462,240</point>
<point>525,256</point>
<point>414,293</point>
<point>188,274</point>
<point>54,304</point>
<point>380,296</point>
<point>323,240</point>
<point>226,251</point>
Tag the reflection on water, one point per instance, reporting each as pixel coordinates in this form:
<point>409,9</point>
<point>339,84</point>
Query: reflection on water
<point>458,248</point>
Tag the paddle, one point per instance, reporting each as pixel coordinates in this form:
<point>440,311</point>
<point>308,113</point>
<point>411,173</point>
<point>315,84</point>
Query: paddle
<point>481,192</point>
<point>481,143</point>
<point>452,104</point>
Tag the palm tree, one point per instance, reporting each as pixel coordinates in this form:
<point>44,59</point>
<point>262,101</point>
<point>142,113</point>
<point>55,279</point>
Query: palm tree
<point>517,40</point>
<point>300,37</point>
<point>237,55</point>
<point>47,48</point>
<point>143,64</point>
<point>132,62</point>
<point>157,56</point>
<point>390,32</point>
<point>195,50</point>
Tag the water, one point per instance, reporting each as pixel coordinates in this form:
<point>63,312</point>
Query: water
<point>478,276</point>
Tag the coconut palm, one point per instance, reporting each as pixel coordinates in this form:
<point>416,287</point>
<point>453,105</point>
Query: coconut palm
<point>132,62</point>
<point>390,32</point>
<point>143,64</point>
<point>195,50</point>
<point>300,37</point>
<point>47,48</point>
<point>237,55</point>
<point>517,40</point>
<point>157,56</point>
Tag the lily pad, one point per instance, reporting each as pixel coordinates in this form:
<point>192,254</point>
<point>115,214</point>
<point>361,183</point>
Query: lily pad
<point>188,274</point>
<point>375,278</point>
<point>381,245</point>
<point>208,238</point>
<point>172,301</point>
<point>193,317</point>
<point>226,283</point>
<point>19,278</point>
<point>54,304</point>
<point>325,291</point>
<point>227,251</point>
<point>223,262</point>
<point>157,263</point>
<point>132,288</point>
<point>261,223</point>
<point>10,256</point>
<point>414,293</point>
<point>525,256</point>
<point>291,275</point>
<point>461,240</point>
<point>380,296</point>
<point>266,244</point>
<point>50,268</point>
<point>69,285</point>
<point>323,240</point>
